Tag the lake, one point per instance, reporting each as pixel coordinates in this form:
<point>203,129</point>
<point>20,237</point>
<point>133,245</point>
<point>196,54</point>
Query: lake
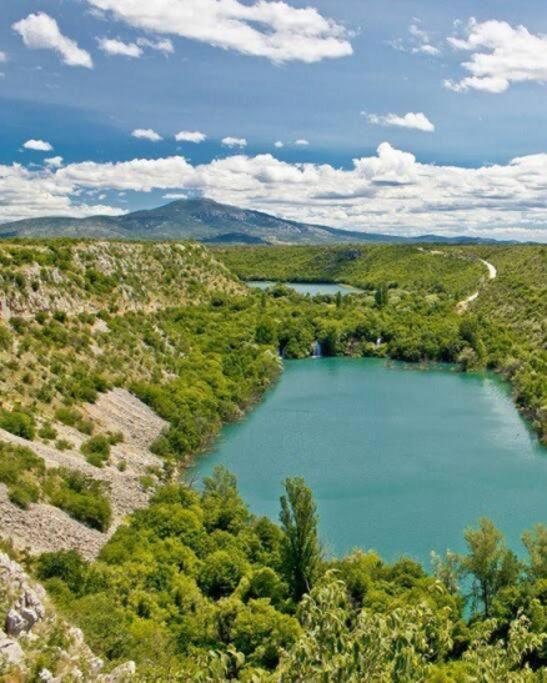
<point>311,288</point>
<point>400,459</point>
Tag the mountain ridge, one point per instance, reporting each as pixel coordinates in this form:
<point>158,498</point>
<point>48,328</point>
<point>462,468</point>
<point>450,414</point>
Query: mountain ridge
<point>206,220</point>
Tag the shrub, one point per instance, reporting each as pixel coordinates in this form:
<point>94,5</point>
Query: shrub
<point>81,496</point>
<point>18,423</point>
<point>23,494</point>
<point>96,449</point>
<point>68,416</point>
<point>47,432</point>
<point>5,338</point>
<point>63,445</point>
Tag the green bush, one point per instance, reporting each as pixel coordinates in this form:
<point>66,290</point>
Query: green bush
<point>68,416</point>
<point>23,494</point>
<point>18,423</point>
<point>97,449</point>
<point>47,432</point>
<point>81,496</point>
<point>63,445</point>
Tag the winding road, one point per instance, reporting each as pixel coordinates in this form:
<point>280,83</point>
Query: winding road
<point>492,275</point>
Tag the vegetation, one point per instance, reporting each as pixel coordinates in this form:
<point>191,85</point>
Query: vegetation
<point>196,588</point>
<point>196,572</point>
<point>28,481</point>
<point>505,329</point>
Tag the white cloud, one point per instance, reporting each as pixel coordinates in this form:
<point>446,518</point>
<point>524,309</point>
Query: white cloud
<point>190,136</point>
<point>116,47</point>
<point>426,50</point>
<point>279,144</point>
<point>54,162</point>
<point>501,55</point>
<point>417,121</point>
<point>146,134</point>
<point>419,42</point>
<point>234,142</point>
<point>389,191</point>
<point>274,30</point>
<point>38,145</point>
<point>3,57</point>
<point>40,32</point>
<point>301,142</point>
<point>163,45</point>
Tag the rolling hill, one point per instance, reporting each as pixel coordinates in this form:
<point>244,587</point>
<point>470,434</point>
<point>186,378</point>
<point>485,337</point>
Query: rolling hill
<point>202,220</point>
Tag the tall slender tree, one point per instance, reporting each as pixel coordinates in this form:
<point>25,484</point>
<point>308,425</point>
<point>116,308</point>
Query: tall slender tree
<point>300,548</point>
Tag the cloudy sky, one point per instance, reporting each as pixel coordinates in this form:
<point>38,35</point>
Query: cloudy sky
<point>396,116</point>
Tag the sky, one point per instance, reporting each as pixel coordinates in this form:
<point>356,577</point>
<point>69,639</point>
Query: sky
<point>396,116</point>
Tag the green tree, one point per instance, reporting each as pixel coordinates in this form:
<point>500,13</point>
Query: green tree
<point>535,542</point>
<point>490,564</point>
<point>301,551</point>
<point>381,296</point>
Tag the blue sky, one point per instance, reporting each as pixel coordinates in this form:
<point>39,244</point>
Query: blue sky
<point>376,65</point>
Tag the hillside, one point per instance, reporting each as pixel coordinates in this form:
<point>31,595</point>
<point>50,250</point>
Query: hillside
<point>120,362</point>
<point>202,220</point>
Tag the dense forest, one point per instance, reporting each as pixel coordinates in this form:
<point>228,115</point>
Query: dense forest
<point>196,588</point>
<point>193,586</point>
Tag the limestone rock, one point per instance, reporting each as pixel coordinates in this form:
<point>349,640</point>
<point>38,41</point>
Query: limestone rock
<point>15,623</point>
<point>10,650</point>
<point>121,674</point>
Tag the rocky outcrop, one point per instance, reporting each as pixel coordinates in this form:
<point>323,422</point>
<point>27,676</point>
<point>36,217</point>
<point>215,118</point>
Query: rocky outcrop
<point>30,624</point>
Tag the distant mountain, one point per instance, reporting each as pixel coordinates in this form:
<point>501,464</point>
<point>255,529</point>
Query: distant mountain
<point>203,220</point>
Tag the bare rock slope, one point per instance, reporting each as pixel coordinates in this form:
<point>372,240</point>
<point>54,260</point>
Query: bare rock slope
<point>42,527</point>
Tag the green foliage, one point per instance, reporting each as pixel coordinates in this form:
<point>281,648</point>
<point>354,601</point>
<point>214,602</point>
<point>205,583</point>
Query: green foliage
<point>97,449</point>
<point>491,565</point>
<point>17,422</point>
<point>300,548</point>
<point>80,496</point>
<point>29,481</point>
<point>207,587</point>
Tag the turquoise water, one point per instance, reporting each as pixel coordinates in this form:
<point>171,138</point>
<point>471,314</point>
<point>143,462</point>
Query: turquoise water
<point>399,459</point>
<point>311,288</point>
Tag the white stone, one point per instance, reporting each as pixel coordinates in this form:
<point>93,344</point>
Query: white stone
<point>10,650</point>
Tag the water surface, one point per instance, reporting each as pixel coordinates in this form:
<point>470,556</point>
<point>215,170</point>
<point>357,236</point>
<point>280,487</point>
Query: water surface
<point>400,459</point>
<point>311,288</point>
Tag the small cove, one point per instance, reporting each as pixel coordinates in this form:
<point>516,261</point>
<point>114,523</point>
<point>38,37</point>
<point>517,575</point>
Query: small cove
<point>400,459</point>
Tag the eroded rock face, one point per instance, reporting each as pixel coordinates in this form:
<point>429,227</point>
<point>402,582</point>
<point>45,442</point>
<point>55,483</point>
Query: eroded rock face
<point>28,619</point>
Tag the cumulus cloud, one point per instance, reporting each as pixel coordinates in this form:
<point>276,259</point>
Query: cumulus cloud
<point>279,144</point>
<point>274,30</point>
<point>3,57</point>
<point>38,145</point>
<point>389,191</point>
<point>190,136</point>
<point>417,121</point>
<point>41,32</point>
<point>301,142</point>
<point>163,45</point>
<point>234,142</point>
<point>116,47</point>
<point>501,55</point>
<point>54,162</point>
<point>146,134</point>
